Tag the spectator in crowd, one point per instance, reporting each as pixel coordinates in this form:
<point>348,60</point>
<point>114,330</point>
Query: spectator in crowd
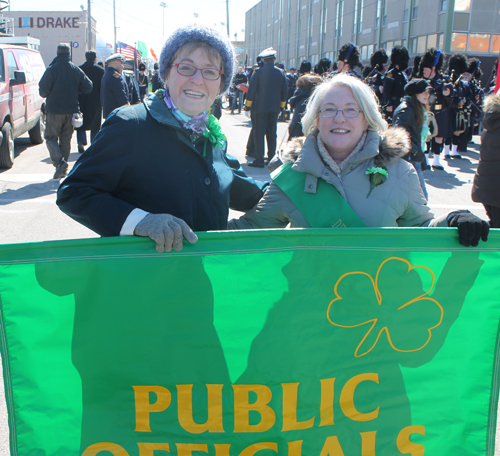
<point>114,89</point>
<point>159,169</point>
<point>239,79</point>
<point>61,84</point>
<point>305,86</point>
<point>412,115</point>
<point>156,82</point>
<point>90,103</point>
<point>486,188</point>
<point>142,81</point>
<point>349,172</point>
<point>268,90</point>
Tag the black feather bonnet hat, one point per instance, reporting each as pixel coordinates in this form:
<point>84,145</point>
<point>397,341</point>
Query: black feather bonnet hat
<point>473,68</point>
<point>349,53</point>
<point>379,57</point>
<point>432,58</point>
<point>457,63</point>
<point>400,56</point>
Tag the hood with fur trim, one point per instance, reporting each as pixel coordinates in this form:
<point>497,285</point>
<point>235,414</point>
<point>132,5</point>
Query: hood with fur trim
<point>491,120</point>
<point>394,144</point>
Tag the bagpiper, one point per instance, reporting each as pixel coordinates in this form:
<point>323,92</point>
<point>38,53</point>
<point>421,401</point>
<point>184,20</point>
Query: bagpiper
<point>348,59</point>
<point>458,71</point>
<point>375,78</point>
<point>440,100</point>
<point>477,95</point>
<point>395,80</point>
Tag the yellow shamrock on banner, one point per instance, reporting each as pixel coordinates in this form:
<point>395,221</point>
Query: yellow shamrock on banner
<point>392,318</point>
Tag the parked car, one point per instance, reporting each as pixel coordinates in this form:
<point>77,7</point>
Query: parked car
<point>21,107</point>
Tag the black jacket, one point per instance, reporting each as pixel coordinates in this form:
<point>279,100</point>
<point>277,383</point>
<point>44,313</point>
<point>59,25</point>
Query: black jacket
<point>268,89</point>
<point>404,116</point>
<point>61,83</point>
<point>394,87</point>
<point>298,103</point>
<point>90,103</point>
<point>156,82</point>
<point>114,91</point>
<point>143,158</point>
<point>239,79</point>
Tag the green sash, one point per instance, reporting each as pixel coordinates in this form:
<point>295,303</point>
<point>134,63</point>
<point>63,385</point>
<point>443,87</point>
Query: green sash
<point>324,209</point>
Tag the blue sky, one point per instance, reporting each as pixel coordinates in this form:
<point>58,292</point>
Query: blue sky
<point>143,20</point>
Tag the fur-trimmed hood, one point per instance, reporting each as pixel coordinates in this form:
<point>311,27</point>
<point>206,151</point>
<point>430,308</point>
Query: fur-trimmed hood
<point>393,144</point>
<point>491,120</point>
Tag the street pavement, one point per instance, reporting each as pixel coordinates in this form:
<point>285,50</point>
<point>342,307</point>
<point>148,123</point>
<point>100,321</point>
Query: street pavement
<point>29,214</point>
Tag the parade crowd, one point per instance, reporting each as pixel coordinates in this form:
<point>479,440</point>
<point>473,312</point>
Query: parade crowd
<point>362,137</point>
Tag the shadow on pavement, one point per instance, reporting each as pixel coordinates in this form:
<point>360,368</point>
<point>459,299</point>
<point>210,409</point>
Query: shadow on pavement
<point>29,192</point>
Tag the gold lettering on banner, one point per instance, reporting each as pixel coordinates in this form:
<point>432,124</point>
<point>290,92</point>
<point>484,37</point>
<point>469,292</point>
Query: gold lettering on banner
<point>252,449</point>
<point>185,409</point>
<point>332,447</point>
<point>143,407</point>
<point>290,423</point>
<point>404,444</point>
<point>347,398</point>
<point>295,448</point>
<point>148,448</point>
<point>186,449</point>
<point>368,443</point>
<point>113,448</point>
<point>326,406</point>
<point>242,408</point>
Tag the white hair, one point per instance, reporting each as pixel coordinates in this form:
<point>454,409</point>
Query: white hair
<point>362,93</point>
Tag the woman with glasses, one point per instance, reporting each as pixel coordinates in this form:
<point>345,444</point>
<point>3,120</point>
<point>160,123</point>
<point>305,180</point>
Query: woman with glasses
<point>349,172</point>
<point>160,169</point>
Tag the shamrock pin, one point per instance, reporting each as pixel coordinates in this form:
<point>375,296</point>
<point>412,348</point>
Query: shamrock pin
<point>378,175</point>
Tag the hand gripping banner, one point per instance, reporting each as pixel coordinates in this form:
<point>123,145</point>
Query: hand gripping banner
<point>354,342</point>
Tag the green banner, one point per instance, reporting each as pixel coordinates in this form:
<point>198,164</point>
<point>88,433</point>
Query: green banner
<point>353,342</point>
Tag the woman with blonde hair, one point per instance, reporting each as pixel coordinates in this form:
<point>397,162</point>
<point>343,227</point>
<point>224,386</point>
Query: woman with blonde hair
<point>349,172</point>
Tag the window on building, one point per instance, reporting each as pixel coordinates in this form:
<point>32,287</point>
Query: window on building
<point>462,5</point>
<point>414,13</point>
<point>397,42</point>
<point>421,44</point>
<point>390,44</point>
<point>443,6</point>
<point>479,42</point>
<point>459,42</point>
<point>324,23</point>
<point>431,41</point>
<point>355,16</point>
<point>495,44</point>
<point>11,64</point>
<point>370,50</point>
<point>364,50</point>
<point>360,22</point>
<point>340,17</point>
<point>440,41</point>
<point>378,13</point>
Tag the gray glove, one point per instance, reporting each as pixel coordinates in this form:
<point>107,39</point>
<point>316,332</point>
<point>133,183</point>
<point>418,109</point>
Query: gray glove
<point>166,230</point>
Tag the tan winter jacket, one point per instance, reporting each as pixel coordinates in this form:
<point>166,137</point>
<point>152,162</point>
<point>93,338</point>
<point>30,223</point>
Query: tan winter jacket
<point>397,202</point>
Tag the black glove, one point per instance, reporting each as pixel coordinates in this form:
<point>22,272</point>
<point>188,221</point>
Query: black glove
<point>470,228</point>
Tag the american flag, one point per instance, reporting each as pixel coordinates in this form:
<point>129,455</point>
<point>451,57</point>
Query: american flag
<point>127,51</point>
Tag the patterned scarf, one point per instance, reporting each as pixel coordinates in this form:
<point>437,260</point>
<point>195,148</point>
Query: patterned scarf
<point>195,125</point>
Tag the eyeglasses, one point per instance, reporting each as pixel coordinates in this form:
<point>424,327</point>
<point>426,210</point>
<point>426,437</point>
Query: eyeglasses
<point>349,113</point>
<point>185,69</point>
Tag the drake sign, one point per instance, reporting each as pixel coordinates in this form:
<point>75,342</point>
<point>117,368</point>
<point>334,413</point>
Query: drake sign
<point>49,22</point>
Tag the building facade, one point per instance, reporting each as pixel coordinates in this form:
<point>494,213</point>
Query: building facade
<point>54,27</point>
<point>313,29</point>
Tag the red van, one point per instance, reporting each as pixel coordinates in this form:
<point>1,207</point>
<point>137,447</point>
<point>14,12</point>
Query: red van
<point>21,107</point>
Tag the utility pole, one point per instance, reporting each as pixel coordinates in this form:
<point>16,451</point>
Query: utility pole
<point>227,14</point>
<point>163,5</point>
<point>114,26</point>
<point>89,26</point>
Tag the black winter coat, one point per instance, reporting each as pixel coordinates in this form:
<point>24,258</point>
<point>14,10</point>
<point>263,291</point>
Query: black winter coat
<point>268,89</point>
<point>486,188</point>
<point>90,104</point>
<point>143,158</point>
<point>404,116</point>
<point>61,83</point>
<point>298,103</point>
<point>394,87</point>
